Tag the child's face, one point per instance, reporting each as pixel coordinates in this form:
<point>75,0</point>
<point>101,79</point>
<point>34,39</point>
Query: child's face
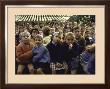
<point>88,33</point>
<point>52,31</point>
<point>57,39</point>
<point>77,33</point>
<point>38,41</point>
<point>25,38</point>
<point>34,33</point>
<point>69,40</point>
<point>21,29</point>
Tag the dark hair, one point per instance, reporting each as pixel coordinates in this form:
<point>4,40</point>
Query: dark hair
<point>35,30</point>
<point>76,29</point>
<point>46,30</point>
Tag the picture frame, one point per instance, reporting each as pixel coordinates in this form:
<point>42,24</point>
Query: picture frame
<point>45,86</point>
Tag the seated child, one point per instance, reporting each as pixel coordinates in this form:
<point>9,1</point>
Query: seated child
<point>41,57</point>
<point>87,59</point>
<point>24,53</point>
<point>71,53</point>
<point>80,40</point>
<point>55,48</point>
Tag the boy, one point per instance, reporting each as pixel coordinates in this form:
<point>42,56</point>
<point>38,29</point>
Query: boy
<point>41,57</point>
<point>24,53</point>
<point>80,40</point>
<point>55,48</point>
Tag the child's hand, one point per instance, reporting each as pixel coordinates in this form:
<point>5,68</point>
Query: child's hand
<point>70,46</point>
<point>88,47</point>
<point>34,52</point>
<point>36,46</point>
<point>59,65</point>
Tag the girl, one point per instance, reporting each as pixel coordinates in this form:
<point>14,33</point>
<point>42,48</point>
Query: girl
<point>24,53</point>
<point>56,51</point>
<point>71,53</point>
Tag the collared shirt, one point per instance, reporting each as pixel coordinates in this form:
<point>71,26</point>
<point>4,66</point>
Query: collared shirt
<point>41,54</point>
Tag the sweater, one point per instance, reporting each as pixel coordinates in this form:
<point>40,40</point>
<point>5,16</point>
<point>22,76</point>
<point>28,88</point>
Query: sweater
<point>56,52</point>
<point>24,52</point>
<point>40,54</point>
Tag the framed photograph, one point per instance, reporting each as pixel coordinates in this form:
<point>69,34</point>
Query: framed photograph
<point>54,44</point>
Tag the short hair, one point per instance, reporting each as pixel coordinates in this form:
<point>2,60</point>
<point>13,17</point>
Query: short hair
<point>88,31</point>
<point>38,37</point>
<point>76,29</point>
<point>57,34</point>
<point>36,29</point>
<point>69,34</point>
<point>46,30</point>
<point>24,33</point>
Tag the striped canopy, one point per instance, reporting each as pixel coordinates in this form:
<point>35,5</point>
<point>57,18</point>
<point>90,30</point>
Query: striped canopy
<point>27,18</point>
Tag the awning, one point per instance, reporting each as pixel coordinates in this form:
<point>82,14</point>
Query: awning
<point>28,18</point>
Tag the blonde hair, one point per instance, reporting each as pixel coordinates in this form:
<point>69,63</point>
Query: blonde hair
<point>69,34</point>
<point>24,33</point>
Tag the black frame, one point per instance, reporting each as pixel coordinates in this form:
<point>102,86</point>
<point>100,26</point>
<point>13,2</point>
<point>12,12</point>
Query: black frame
<point>54,2</point>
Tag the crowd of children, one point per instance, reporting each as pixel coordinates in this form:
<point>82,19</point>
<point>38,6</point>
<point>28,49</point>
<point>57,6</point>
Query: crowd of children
<point>55,48</point>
